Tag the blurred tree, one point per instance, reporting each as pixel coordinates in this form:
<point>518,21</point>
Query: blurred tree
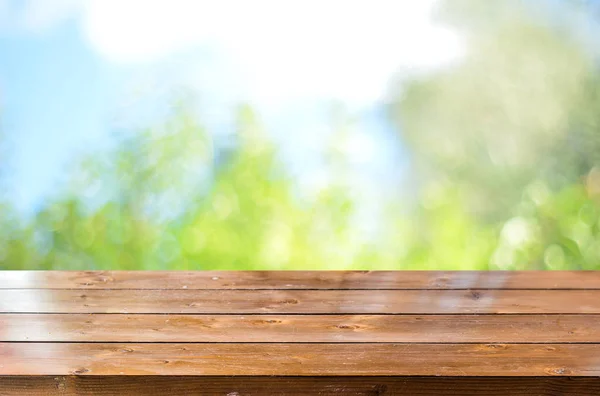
<point>502,117</point>
<point>518,114</point>
<point>248,218</point>
<point>252,218</point>
<point>160,200</point>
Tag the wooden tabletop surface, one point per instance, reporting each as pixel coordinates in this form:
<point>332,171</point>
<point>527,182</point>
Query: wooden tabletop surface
<point>376,332</point>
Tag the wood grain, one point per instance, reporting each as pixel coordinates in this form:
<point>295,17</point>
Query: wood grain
<point>300,359</point>
<point>300,328</point>
<point>299,280</point>
<point>268,386</point>
<point>299,333</point>
<point>301,301</point>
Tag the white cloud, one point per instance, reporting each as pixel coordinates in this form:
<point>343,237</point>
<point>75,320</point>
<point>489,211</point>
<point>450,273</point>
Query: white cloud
<point>346,49</point>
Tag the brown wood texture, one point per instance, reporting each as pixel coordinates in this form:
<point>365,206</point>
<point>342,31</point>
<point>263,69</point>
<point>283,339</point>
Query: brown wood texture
<point>300,359</point>
<point>299,280</point>
<point>300,332</point>
<point>301,328</point>
<point>252,386</point>
<point>301,301</point>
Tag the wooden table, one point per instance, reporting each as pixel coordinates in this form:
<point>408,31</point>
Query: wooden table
<point>268,333</point>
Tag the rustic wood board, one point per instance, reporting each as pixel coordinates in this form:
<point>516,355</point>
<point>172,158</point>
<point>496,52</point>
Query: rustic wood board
<point>300,328</point>
<point>301,301</point>
<point>337,280</point>
<point>323,386</point>
<point>300,359</point>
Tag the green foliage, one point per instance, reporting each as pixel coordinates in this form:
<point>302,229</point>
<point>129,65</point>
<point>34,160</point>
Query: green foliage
<point>501,118</point>
<point>558,231</point>
<point>145,205</point>
<point>520,113</point>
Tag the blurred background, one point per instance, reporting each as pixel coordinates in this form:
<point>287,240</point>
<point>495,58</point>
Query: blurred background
<point>270,134</point>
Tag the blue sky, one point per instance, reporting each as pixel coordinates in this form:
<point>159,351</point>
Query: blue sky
<point>55,99</point>
<point>71,71</point>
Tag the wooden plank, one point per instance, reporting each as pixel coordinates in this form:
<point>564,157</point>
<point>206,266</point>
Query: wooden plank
<point>251,386</point>
<point>300,359</point>
<point>301,301</point>
<point>300,328</point>
<point>299,280</point>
